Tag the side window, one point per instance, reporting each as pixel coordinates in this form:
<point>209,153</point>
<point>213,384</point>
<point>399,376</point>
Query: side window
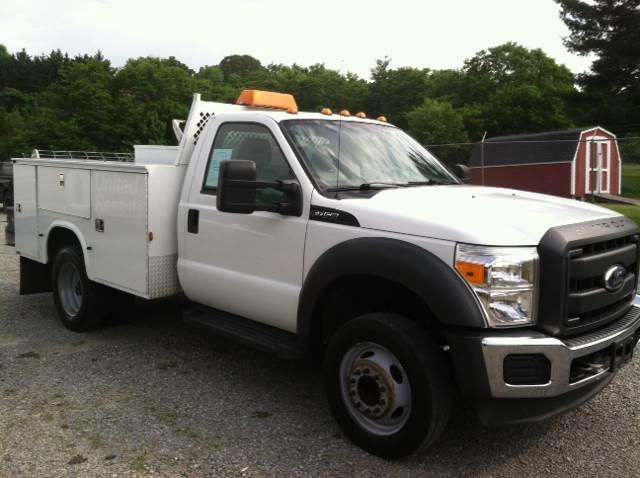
<point>253,142</point>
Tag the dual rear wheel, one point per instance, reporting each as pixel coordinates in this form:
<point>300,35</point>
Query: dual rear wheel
<point>82,304</point>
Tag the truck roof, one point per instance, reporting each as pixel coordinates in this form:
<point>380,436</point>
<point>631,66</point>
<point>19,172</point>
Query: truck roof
<point>279,114</point>
<point>278,106</point>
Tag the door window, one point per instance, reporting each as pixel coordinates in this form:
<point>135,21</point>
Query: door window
<point>253,142</point>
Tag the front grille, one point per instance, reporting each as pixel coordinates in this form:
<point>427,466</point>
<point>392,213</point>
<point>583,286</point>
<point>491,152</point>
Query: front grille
<point>590,304</point>
<point>573,261</point>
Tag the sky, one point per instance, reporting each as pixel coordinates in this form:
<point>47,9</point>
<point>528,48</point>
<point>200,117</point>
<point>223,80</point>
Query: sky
<point>346,35</point>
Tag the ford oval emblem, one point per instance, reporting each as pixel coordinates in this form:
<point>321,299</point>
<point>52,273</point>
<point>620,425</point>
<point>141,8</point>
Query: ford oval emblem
<point>614,277</point>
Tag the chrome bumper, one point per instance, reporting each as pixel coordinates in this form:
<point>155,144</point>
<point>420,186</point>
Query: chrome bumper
<point>560,353</point>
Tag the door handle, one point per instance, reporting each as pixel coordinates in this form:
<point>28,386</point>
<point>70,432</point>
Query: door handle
<point>193,219</point>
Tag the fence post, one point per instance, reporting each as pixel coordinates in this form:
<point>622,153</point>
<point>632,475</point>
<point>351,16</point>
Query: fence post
<point>482,156</point>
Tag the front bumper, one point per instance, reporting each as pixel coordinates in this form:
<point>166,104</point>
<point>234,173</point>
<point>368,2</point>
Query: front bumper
<point>479,359</point>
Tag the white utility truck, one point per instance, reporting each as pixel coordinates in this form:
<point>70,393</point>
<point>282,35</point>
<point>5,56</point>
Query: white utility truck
<point>337,236</point>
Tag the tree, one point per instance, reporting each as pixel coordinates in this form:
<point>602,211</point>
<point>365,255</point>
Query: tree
<point>314,87</point>
<point>393,93</point>
<point>75,112</point>
<point>610,30</point>
<point>436,122</point>
<point>149,92</point>
<point>518,90</point>
<point>239,67</point>
<point>210,82</point>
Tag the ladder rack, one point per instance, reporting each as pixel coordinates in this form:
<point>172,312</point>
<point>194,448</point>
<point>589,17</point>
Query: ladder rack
<point>87,155</point>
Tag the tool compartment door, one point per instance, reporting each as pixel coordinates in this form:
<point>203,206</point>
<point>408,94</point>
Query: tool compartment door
<point>118,233</point>
<point>26,214</point>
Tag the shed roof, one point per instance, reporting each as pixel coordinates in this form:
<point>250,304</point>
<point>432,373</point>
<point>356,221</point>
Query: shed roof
<point>549,147</point>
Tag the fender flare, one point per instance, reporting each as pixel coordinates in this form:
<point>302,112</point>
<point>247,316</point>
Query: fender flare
<point>74,229</point>
<point>431,279</point>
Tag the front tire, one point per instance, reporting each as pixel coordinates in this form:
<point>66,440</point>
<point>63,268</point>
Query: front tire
<point>388,384</point>
<point>82,305</point>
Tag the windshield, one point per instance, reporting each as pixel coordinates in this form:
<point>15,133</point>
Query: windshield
<point>357,155</point>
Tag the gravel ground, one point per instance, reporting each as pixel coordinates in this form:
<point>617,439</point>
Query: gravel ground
<point>156,398</point>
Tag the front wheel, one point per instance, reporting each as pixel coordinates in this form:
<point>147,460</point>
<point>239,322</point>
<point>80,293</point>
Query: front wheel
<point>82,305</point>
<point>388,384</point>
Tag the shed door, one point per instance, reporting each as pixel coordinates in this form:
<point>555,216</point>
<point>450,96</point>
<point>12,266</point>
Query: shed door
<point>598,166</point>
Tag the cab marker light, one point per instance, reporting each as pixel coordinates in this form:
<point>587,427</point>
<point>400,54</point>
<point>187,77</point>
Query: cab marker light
<point>382,118</point>
<point>345,113</point>
<point>326,111</point>
<point>361,114</point>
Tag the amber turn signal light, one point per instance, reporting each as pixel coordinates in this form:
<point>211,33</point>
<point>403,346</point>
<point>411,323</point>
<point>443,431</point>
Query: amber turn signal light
<point>472,272</point>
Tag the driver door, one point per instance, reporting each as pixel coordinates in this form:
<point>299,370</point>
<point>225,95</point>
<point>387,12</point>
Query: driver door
<point>245,264</point>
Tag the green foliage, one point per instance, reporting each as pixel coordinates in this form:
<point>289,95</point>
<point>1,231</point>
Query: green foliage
<point>437,122</point>
<point>396,92</point>
<point>518,90</point>
<point>609,30</point>
<point>57,102</point>
<point>148,93</point>
<point>76,111</point>
<point>238,68</point>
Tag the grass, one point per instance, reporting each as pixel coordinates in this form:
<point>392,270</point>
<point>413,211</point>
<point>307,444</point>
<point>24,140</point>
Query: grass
<point>630,189</point>
<point>631,181</point>
<point>632,212</point>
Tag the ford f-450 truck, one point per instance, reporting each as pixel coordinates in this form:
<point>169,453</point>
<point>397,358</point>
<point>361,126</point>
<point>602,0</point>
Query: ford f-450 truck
<point>339,237</point>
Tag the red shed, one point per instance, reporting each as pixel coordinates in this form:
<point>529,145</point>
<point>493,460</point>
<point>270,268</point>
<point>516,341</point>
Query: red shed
<point>569,163</point>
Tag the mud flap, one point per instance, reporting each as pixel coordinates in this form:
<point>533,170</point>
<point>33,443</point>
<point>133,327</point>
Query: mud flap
<point>34,277</point>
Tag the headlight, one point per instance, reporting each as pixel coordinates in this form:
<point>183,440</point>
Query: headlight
<point>505,280</point>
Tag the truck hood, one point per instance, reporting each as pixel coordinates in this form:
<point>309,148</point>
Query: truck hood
<point>472,214</point>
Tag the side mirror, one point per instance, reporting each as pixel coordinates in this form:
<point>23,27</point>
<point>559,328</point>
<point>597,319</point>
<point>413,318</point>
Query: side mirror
<point>232,196</point>
<point>463,172</point>
<point>237,186</point>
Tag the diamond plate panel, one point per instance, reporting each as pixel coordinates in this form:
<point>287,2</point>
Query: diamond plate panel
<point>163,276</point>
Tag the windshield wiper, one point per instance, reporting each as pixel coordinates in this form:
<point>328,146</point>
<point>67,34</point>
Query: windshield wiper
<point>429,182</point>
<point>367,187</point>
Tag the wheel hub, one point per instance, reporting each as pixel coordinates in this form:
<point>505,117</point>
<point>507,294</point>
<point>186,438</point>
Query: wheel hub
<point>375,388</point>
<point>70,289</point>
<point>370,390</point>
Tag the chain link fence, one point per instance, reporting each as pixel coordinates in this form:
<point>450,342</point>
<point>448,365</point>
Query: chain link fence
<point>606,165</point>
<point>588,165</point>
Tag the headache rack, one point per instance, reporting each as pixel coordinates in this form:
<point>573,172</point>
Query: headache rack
<point>86,155</point>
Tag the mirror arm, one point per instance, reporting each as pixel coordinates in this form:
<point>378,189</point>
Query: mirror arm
<point>241,183</point>
<point>284,185</point>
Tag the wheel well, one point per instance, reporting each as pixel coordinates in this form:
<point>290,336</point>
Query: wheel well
<point>60,237</point>
<point>351,296</point>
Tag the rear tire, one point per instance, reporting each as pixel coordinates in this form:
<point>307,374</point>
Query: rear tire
<point>388,384</point>
<point>82,305</point>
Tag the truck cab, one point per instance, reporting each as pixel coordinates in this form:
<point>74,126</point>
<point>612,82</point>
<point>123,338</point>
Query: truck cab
<point>340,238</point>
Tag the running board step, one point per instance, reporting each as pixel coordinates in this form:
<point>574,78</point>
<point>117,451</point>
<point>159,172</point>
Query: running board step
<point>249,332</point>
